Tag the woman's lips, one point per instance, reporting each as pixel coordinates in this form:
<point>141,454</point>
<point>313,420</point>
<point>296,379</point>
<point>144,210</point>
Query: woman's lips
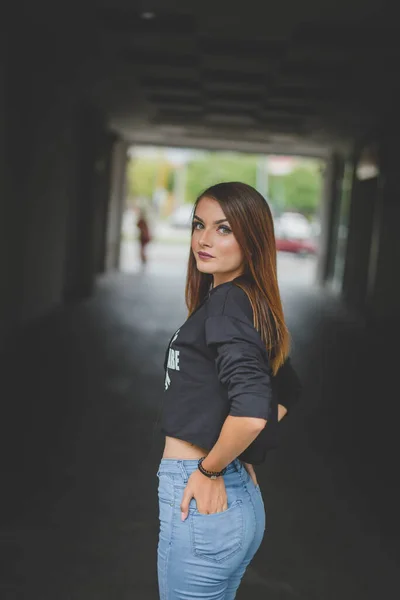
<point>204,255</point>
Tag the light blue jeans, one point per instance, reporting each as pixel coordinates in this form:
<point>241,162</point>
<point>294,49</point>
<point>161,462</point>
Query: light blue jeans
<point>206,555</point>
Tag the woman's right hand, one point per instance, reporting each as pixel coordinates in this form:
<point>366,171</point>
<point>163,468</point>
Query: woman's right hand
<point>210,495</point>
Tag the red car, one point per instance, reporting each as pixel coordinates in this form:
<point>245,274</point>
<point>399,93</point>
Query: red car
<point>297,246</point>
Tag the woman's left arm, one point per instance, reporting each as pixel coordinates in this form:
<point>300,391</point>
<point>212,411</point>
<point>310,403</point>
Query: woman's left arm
<point>243,370</point>
<point>236,435</point>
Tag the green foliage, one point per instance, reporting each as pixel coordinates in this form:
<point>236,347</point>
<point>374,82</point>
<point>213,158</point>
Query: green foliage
<point>170,181</point>
<point>300,190</point>
<point>216,167</point>
<point>142,176</point>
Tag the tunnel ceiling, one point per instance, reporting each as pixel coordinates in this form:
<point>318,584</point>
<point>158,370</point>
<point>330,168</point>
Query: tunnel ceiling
<point>287,76</point>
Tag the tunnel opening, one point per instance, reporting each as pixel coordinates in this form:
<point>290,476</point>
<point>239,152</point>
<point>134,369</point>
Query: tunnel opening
<point>163,183</point>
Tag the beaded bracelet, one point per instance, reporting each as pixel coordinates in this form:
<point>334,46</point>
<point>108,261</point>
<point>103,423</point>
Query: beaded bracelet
<point>210,474</point>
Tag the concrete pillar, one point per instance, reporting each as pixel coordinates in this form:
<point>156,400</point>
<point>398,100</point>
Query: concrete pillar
<point>364,198</point>
<point>4,261</point>
<point>329,215</point>
<point>102,187</point>
<point>383,288</point>
<point>18,133</point>
<point>85,200</point>
<point>116,204</point>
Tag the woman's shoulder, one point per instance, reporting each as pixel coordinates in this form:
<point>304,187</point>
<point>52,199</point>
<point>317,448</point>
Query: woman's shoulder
<point>229,300</point>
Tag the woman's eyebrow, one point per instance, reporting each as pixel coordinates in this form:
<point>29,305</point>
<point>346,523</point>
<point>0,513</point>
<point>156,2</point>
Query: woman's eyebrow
<point>215,222</point>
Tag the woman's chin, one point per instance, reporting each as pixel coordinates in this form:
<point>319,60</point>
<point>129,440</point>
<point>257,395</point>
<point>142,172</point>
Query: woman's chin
<point>204,268</point>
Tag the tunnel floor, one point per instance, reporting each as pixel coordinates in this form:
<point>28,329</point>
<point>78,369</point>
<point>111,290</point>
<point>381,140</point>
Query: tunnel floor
<point>83,389</point>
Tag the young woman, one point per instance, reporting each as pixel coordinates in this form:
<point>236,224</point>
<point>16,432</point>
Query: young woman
<point>224,389</point>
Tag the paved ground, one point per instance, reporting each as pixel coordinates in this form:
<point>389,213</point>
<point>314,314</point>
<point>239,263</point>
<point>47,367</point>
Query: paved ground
<point>84,388</point>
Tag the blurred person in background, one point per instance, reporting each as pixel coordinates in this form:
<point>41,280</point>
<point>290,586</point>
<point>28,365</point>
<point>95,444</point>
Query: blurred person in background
<point>144,235</point>
<point>228,382</point>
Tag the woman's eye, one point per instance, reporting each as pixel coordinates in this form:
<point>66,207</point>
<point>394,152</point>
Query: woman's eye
<point>196,225</point>
<point>224,229</point>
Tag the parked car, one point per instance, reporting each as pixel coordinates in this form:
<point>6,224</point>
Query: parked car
<point>296,246</point>
<point>293,233</point>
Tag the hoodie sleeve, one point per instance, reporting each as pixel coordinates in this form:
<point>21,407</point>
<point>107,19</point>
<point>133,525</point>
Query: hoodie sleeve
<point>241,359</point>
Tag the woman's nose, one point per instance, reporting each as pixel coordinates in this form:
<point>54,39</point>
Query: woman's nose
<point>205,238</point>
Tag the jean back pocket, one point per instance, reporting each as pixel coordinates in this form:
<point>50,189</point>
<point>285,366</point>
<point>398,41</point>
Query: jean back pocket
<point>219,536</point>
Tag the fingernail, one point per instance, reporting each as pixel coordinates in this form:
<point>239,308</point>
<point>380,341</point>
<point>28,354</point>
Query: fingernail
<point>182,516</point>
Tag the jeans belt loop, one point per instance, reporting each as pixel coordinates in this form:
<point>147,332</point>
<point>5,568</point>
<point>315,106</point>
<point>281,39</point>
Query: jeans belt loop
<point>183,471</point>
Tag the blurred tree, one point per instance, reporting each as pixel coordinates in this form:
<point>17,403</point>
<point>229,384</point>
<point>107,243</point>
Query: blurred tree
<point>216,167</point>
<point>170,180</point>
<point>142,173</point>
<point>300,190</point>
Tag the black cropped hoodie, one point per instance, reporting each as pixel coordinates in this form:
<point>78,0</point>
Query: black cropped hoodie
<point>217,365</point>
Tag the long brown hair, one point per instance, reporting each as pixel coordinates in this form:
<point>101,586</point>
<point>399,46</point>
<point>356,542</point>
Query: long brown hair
<point>251,221</point>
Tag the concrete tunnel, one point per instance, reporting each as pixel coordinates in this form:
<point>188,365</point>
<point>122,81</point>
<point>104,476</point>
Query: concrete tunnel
<point>81,83</point>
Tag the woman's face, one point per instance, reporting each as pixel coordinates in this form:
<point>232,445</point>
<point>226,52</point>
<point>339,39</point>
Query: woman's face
<point>213,244</point>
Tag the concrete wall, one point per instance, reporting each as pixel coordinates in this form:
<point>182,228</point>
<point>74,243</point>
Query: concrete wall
<point>46,202</point>
<point>18,131</point>
<point>66,203</point>
<point>87,204</point>
<point>56,154</point>
<point>3,194</point>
